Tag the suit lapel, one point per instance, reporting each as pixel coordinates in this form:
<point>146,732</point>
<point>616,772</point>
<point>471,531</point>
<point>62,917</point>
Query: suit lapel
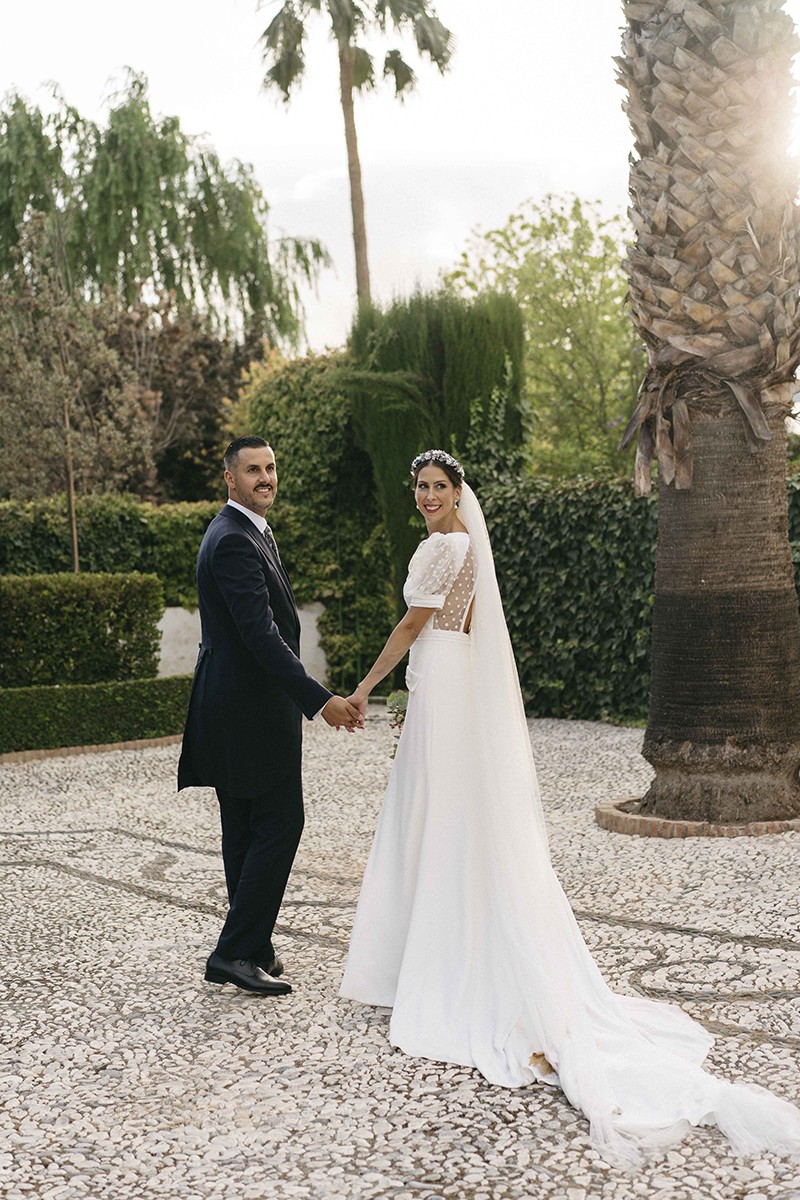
<point>275,565</point>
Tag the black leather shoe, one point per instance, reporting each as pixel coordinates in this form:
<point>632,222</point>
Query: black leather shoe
<point>244,973</point>
<point>272,966</point>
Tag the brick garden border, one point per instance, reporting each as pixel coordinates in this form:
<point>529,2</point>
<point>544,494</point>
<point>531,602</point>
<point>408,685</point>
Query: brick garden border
<point>621,816</point>
<point>22,756</point>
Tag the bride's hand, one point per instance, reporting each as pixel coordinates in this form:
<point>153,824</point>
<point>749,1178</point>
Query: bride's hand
<point>359,700</point>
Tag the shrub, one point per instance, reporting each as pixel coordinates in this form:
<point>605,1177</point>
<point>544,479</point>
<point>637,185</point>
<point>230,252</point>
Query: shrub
<point>116,534</point>
<point>174,533</point>
<point>42,718</point>
<point>78,628</point>
<point>575,563</point>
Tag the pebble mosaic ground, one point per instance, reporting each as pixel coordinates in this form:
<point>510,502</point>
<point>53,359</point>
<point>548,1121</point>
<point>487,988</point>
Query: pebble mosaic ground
<point>125,1076</point>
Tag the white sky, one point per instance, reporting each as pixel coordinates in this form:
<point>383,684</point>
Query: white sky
<point>529,106</point>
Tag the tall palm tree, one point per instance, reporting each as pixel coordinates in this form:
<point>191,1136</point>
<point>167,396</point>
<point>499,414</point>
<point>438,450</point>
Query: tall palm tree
<point>282,43</point>
<point>714,279</point>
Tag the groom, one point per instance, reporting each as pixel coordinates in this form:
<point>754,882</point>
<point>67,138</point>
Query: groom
<point>244,727</point>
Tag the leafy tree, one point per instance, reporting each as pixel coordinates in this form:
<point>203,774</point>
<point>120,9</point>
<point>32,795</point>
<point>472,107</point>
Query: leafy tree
<point>186,375</point>
<point>433,369</point>
<point>115,397</point>
<point>350,21</point>
<point>562,261</point>
<point>70,412</point>
<point>138,200</point>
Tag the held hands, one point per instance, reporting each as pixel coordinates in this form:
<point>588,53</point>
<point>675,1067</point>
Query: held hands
<point>359,699</point>
<point>339,713</point>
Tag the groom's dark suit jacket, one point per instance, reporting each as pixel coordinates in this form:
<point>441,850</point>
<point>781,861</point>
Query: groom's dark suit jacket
<point>243,731</point>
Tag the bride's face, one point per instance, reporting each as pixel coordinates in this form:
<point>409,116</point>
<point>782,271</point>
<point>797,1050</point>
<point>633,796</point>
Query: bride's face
<point>435,497</point>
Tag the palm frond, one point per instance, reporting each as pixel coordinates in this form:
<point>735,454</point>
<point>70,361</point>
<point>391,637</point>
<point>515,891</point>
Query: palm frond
<point>282,43</point>
<point>394,65</point>
<point>363,69</point>
<point>433,38</point>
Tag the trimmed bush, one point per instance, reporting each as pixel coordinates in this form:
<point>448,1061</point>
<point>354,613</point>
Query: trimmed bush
<point>174,534</point>
<point>575,563</point>
<point>43,718</point>
<point>66,628</point>
<point>115,533</point>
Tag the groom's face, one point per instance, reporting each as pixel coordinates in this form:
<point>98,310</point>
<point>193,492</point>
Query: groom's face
<point>253,481</point>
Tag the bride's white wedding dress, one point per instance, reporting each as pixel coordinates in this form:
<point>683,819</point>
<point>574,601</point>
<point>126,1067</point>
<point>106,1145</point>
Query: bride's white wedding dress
<point>462,928</point>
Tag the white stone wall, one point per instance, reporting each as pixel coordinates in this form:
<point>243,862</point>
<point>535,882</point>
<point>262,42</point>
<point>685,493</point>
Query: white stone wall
<point>180,637</point>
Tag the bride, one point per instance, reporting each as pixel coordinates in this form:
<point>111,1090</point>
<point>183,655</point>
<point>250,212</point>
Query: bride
<point>462,927</point>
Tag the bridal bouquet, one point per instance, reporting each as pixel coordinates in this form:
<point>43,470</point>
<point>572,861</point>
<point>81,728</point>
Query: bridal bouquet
<point>396,704</point>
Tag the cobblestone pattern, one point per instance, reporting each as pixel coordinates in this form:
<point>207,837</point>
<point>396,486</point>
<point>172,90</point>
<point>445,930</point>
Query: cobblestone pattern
<point>125,1076</point>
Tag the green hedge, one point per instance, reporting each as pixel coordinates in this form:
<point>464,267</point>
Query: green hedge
<point>42,718</point>
<point>116,534</point>
<point>575,564</point>
<point>67,628</point>
<point>575,559</point>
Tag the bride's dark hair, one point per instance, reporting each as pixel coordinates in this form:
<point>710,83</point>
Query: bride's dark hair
<point>452,475</point>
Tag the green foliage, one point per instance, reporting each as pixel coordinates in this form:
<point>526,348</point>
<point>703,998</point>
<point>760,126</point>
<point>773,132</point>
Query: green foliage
<point>117,534</point>
<point>429,370</point>
<point>95,714</point>
<point>326,517</point>
<point>793,490</point>
<point>575,563</point>
<point>143,387</point>
<point>60,377</point>
<point>68,628</point>
<point>181,374</point>
<point>574,560</point>
<point>562,262</point>
<point>139,201</point>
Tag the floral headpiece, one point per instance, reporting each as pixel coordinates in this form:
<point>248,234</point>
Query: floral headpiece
<point>437,456</point>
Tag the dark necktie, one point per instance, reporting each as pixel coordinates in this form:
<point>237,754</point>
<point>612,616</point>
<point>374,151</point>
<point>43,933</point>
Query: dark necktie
<point>270,540</point>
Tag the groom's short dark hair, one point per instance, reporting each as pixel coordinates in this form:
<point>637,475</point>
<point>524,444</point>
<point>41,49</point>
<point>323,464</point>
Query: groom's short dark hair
<point>248,442</point>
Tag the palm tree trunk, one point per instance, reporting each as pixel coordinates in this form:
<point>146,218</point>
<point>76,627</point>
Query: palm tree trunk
<point>715,277</point>
<point>724,725</point>
<point>354,171</point>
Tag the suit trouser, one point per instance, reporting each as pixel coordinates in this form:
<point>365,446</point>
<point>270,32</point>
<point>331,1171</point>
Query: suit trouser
<point>260,837</point>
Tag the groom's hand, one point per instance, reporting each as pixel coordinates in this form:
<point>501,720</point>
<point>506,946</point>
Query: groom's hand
<point>339,712</point>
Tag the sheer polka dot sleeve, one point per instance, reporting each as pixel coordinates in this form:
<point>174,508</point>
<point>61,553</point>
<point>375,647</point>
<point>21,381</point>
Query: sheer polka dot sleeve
<point>432,572</point>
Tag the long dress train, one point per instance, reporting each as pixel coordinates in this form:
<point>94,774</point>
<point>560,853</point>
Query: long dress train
<point>462,927</point>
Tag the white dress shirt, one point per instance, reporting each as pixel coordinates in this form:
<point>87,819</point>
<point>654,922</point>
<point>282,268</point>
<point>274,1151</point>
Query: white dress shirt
<point>259,521</point>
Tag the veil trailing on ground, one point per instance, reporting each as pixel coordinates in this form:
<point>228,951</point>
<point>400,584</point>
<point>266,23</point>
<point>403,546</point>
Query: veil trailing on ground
<point>498,694</point>
<point>630,1064</point>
